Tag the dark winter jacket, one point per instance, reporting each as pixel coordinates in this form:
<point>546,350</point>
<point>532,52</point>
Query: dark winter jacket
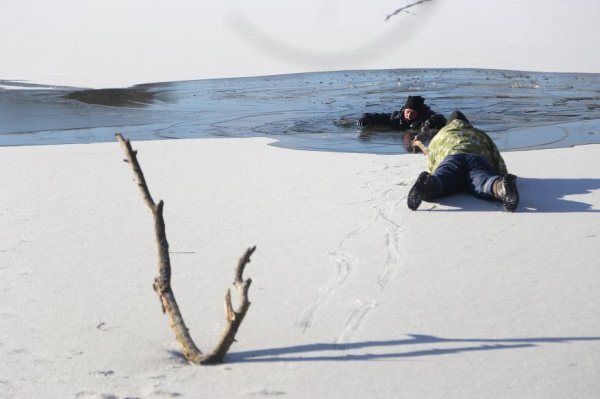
<point>395,120</point>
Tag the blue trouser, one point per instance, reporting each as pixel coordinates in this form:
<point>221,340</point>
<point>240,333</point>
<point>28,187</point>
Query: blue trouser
<point>466,172</point>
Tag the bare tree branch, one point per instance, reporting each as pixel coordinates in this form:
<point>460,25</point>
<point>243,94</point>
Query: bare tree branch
<point>162,283</point>
<point>131,158</point>
<point>401,9</point>
<point>234,318</point>
<point>419,144</point>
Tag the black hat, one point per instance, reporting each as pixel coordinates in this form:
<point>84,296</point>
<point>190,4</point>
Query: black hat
<point>414,102</point>
<point>457,115</point>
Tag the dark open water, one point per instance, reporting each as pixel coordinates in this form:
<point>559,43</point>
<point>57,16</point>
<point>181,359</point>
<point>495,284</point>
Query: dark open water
<point>317,111</point>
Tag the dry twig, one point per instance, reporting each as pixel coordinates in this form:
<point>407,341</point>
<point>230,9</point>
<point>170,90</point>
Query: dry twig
<point>162,283</point>
<point>419,144</point>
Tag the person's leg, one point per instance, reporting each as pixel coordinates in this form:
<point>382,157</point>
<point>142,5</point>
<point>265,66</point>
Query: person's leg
<point>427,187</point>
<point>486,183</point>
<point>453,174</point>
<point>481,176</point>
<point>448,178</point>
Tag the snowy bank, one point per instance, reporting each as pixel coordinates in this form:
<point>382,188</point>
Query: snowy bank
<point>353,296</point>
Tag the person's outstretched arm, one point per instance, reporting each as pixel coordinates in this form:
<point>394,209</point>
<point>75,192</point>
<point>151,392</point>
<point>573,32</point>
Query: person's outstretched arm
<point>371,119</point>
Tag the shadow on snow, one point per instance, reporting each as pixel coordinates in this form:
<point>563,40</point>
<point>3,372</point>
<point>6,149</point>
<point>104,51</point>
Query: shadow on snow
<point>537,196</point>
<point>300,353</point>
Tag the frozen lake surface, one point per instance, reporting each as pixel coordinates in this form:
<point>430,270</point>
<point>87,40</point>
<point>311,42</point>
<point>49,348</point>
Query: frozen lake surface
<point>316,111</point>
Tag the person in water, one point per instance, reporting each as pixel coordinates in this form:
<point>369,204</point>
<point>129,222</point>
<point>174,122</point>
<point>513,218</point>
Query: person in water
<point>462,158</point>
<point>414,115</point>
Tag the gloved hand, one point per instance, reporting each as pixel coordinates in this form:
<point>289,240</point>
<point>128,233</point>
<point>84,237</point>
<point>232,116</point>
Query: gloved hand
<point>365,120</point>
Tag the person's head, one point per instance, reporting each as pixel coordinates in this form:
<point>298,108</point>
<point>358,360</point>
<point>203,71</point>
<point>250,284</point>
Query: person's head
<point>457,115</point>
<point>413,107</point>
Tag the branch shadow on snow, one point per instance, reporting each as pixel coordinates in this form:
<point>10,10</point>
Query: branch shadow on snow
<point>302,353</point>
<point>537,196</point>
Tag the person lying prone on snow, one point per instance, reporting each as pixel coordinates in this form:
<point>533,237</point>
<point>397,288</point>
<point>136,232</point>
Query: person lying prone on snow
<point>462,158</point>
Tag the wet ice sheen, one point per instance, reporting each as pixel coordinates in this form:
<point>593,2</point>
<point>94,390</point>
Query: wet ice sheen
<point>317,111</point>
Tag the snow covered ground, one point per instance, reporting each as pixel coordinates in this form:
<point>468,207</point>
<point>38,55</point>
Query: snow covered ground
<point>353,294</point>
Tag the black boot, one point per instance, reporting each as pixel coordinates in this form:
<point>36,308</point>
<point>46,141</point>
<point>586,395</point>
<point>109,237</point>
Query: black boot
<point>425,188</point>
<point>505,189</point>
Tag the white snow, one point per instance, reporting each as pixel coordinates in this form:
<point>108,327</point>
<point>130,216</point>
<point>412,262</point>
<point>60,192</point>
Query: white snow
<point>353,294</point>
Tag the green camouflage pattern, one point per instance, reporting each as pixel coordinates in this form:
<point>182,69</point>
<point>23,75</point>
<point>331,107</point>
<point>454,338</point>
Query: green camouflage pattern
<point>460,137</point>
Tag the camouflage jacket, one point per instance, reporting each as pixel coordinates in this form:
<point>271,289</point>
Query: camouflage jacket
<point>459,137</point>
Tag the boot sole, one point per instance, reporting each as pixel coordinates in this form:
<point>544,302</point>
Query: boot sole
<point>414,198</point>
<point>511,198</point>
